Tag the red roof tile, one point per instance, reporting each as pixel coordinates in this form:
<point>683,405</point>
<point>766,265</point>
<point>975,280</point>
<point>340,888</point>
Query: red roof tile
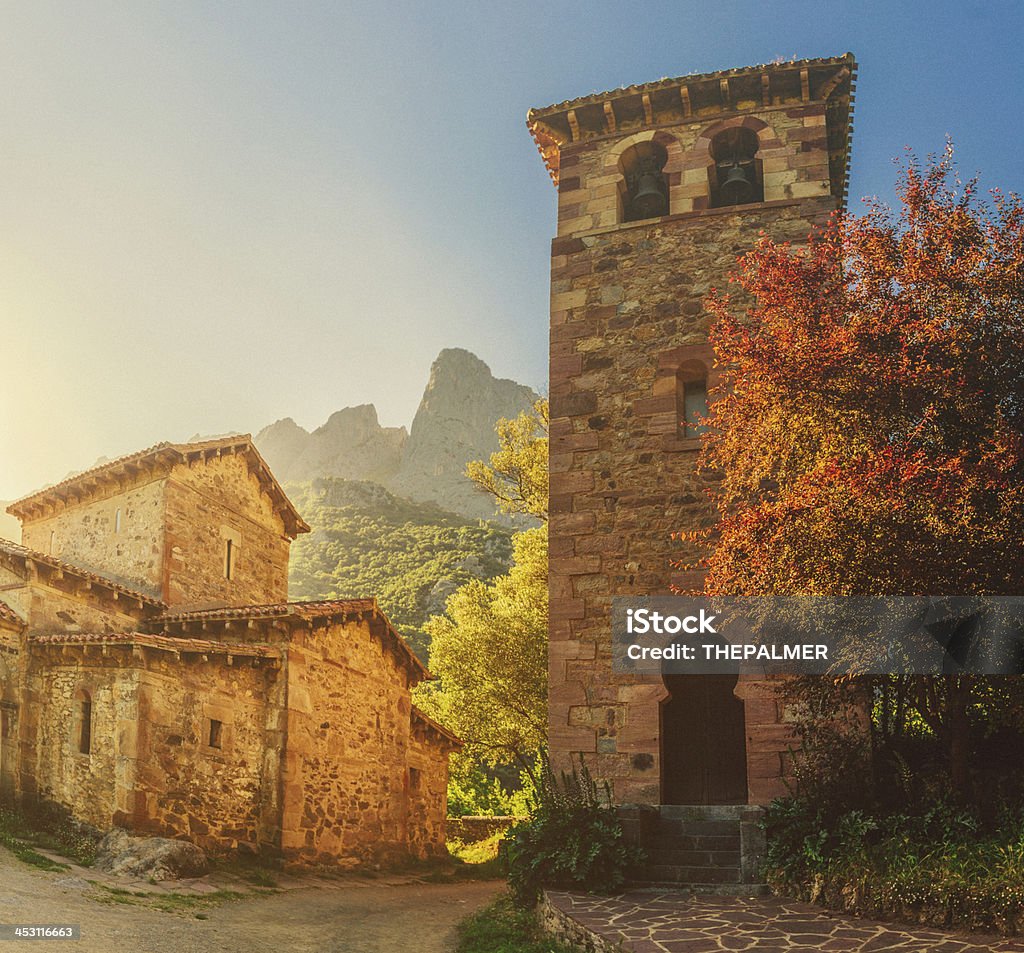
<point>428,722</point>
<point>305,611</point>
<point>21,553</point>
<point>169,454</point>
<point>9,617</point>
<point>164,642</point>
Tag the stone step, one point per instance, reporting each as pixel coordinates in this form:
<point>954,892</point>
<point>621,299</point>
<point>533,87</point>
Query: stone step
<point>675,827</point>
<point>722,890</point>
<point>670,873</point>
<point>660,856</point>
<point>692,842</point>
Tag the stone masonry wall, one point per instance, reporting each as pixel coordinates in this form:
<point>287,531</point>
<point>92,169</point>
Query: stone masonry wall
<point>220,796</point>
<point>88,536</point>
<point>52,766</point>
<point>347,745</point>
<point>627,314</point>
<point>208,503</point>
<point>427,786</point>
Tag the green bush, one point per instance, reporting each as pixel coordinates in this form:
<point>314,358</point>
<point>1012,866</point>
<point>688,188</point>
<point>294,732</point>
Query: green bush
<point>572,839</point>
<point>940,866</point>
<point>501,928</point>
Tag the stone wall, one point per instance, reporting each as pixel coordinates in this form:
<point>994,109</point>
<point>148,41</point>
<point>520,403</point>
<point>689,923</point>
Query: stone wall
<point>207,504</point>
<point>348,739</point>
<point>220,796</point>
<point>627,324</point>
<point>427,787</point>
<point>150,766</point>
<point>88,535</point>
<point>53,767</point>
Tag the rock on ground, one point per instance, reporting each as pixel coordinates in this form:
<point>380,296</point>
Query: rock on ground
<point>149,858</point>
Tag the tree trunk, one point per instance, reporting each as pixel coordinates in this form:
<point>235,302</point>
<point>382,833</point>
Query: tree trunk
<point>958,699</point>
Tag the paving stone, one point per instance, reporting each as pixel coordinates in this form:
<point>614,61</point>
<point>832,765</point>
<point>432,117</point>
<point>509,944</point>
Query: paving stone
<point>688,923</point>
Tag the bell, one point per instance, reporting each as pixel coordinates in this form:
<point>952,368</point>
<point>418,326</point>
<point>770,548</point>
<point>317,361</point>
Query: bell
<point>737,189</point>
<point>650,198</point>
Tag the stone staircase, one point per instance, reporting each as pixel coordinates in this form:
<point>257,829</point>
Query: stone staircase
<point>699,848</point>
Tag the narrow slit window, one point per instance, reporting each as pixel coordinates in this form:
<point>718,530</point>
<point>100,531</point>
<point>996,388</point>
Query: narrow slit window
<point>85,727</point>
<point>117,521</point>
<point>695,407</point>
<point>214,734</point>
<point>229,558</point>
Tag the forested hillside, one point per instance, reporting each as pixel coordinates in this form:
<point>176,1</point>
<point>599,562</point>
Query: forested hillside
<point>368,542</point>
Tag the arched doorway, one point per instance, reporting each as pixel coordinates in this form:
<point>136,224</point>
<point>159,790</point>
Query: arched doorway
<point>703,741</point>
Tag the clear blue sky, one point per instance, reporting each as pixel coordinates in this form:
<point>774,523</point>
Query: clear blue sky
<point>215,215</point>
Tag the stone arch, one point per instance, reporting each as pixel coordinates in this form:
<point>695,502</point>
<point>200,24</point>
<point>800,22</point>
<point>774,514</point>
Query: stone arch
<point>769,147</point>
<point>672,169</point>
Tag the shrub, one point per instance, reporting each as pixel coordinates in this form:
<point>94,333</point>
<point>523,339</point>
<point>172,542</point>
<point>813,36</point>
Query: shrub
<point>572,839</point>
<point>941,865</point>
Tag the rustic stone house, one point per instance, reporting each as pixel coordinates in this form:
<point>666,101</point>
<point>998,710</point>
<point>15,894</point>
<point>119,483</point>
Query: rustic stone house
<point>660,187</point>
<point>154,676</point>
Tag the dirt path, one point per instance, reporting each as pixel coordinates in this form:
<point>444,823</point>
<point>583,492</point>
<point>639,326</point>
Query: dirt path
<point>345,916</point>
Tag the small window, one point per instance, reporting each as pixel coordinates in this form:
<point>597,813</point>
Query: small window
<point>214,734</point>
<point>6,723</point>
<point>691,399</point>
<point>85,725</point>
<point>229,558</point>
<point>695,407</point>
<point>117,520</point>
<point>53,543</point>
<point>414,779</point>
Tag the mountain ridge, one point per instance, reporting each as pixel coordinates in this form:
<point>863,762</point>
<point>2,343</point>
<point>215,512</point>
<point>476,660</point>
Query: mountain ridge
<point>454,423</point>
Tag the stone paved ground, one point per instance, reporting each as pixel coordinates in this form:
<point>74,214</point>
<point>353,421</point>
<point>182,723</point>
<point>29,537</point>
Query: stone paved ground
<point>679,923</point>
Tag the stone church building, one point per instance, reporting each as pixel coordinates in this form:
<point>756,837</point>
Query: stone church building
<point>660,187</point>
<point>154,676</point>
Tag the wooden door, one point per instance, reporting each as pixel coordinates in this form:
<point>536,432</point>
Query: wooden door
<point>703,741</point>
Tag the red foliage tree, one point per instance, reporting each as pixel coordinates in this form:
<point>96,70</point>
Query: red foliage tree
<point>870,427</point>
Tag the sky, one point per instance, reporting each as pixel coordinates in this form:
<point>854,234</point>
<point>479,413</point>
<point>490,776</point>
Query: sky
<point>216,215</point>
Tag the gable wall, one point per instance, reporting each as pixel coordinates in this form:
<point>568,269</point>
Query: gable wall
<point>207,503</point>
<point>346,774</point>
<point>85,536</point>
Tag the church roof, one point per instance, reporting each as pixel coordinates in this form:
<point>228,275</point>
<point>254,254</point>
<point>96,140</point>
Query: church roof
<point>21,556</point>
<point>9,617</point>
<point>178,646</point>
<point>160,458</point>
<point>435,727</point>
<point>701,97</point>
<point>329,610</point>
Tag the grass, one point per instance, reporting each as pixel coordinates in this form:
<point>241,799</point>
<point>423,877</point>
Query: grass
<point>51,828</point>
<point>504,928</point>
<point>182,903</point>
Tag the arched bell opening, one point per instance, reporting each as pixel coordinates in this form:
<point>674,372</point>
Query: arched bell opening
<point>703,741</point>
<point>735,174</point>
<point>643,190</point>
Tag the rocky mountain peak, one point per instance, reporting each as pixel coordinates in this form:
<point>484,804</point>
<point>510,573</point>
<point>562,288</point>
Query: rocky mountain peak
<point>453,425</point>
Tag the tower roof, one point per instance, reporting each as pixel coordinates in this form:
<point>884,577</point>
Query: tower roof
<point>703,98</point>
<point>159,459</point>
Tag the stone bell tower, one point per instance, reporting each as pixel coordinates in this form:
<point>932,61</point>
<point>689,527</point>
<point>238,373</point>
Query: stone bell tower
<point>660,187</point>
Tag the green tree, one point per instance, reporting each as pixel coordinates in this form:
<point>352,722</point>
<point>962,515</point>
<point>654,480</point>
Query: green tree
<point>489,649</point>
<point>517,475</point>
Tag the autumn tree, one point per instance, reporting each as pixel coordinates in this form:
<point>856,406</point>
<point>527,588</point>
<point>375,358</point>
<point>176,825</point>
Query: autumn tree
<point>870,430</point>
